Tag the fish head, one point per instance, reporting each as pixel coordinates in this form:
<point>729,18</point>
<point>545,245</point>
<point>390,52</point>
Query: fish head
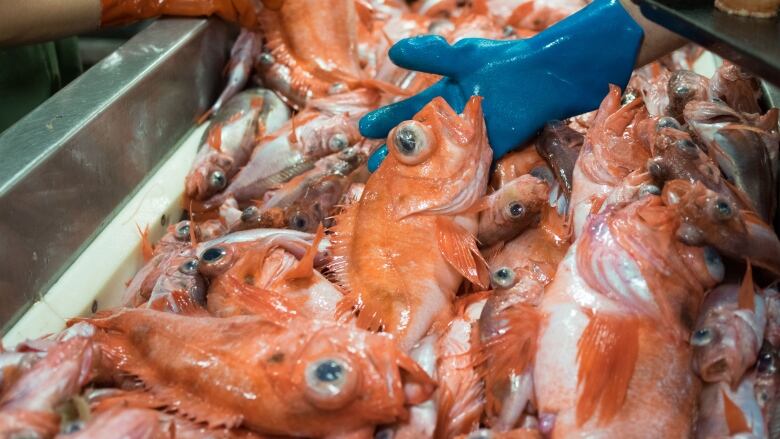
<point>325,134</point>
<point>767,378</point>
<point>676,156</point>
<point>353,372</point>
<point>726,339</point>
<point>685,86</point>
<point>707,217</point>
<point>438,162</point>
<point>210,177</point>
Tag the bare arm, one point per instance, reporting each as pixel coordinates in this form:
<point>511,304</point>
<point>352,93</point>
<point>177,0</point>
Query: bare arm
<point>30,21</point>
<point>658,40</point>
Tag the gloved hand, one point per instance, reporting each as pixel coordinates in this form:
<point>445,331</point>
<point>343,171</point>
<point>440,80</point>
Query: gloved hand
<point>561,72</point>
<point>242,12</point>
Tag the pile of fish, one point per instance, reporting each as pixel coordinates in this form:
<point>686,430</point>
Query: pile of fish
<point>615,277</point>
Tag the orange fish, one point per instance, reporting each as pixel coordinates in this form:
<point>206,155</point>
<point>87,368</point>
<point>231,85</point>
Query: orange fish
<point>511,209</point>
<point>617,318</point>
<point>27,407</point>
<point>611,151</point>
<point>404,248</point>
<point>308,378</point>
<point>520,272</point>
<point>309,42</point>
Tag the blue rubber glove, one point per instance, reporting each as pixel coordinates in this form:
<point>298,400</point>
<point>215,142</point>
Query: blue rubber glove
<point>561,72</point>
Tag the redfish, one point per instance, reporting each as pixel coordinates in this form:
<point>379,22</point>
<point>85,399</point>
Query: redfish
<point>404,248</point>
<point>303,379</point>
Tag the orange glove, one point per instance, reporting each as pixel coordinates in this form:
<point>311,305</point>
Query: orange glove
<point>243,12</point>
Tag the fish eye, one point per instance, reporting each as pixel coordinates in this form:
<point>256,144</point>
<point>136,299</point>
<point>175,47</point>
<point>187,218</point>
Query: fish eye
<point>249,213</point>
<point>504,277</point>
<point>668,122</point>
<point>714,264</point>
<point>682,91</point>
<point>722,209</point>
<point>702,337</point>
<point>657,168</point>
<point>412,142</point>
<point>182,232</point>
<point>299,221</point>
<point>215,260</point>
<point>190,267</point>
<point>515,209</point>
<point>338,141</point>
<point>217,180</point>
<point>649,189</point>
<point>331,383</point>
<point>766,364</point>
<point>212,255</point>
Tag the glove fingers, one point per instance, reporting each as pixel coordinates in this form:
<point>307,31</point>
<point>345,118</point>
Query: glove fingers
<point>426,53</point>
<point>378,123</point>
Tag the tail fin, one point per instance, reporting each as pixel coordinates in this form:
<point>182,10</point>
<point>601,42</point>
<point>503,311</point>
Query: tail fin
<point>607,354</point>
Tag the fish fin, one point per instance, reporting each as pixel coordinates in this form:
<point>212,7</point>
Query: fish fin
<point>511,351</point>
<point>147,249</point>
<point>340,239</point>
<point>204,117</point>
<point>735,419</point>
<point>419,384</point>
<point>459,409</point>
<point>178,302</point>
<point>215,137</point>
<point>119,351</point>
<point>304,268</point>
<point>459,248</point>
<point>746,298</point>
<point>607,353</point>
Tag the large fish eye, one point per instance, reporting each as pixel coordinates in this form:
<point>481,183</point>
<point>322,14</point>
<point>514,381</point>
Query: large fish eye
<point>217,180</point>
<point>331,382</point>
<point>412,142</point>
<point>515,210</point>
<point>702,337</point>
<point>299,221</point>
<point>714,264</point>
<point>504,277</point>
<point>337,142</point>
<point>722,210</point>
<point>215,260</point>
<point>668,122</point>
<point>182,232</point>
<point>249,213</point>
<point>767,364</point>
<point>189,267</point>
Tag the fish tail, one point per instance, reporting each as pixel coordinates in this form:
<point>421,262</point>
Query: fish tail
<point>607,355</point>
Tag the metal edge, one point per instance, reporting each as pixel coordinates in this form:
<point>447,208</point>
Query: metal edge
<point>70,163</point>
